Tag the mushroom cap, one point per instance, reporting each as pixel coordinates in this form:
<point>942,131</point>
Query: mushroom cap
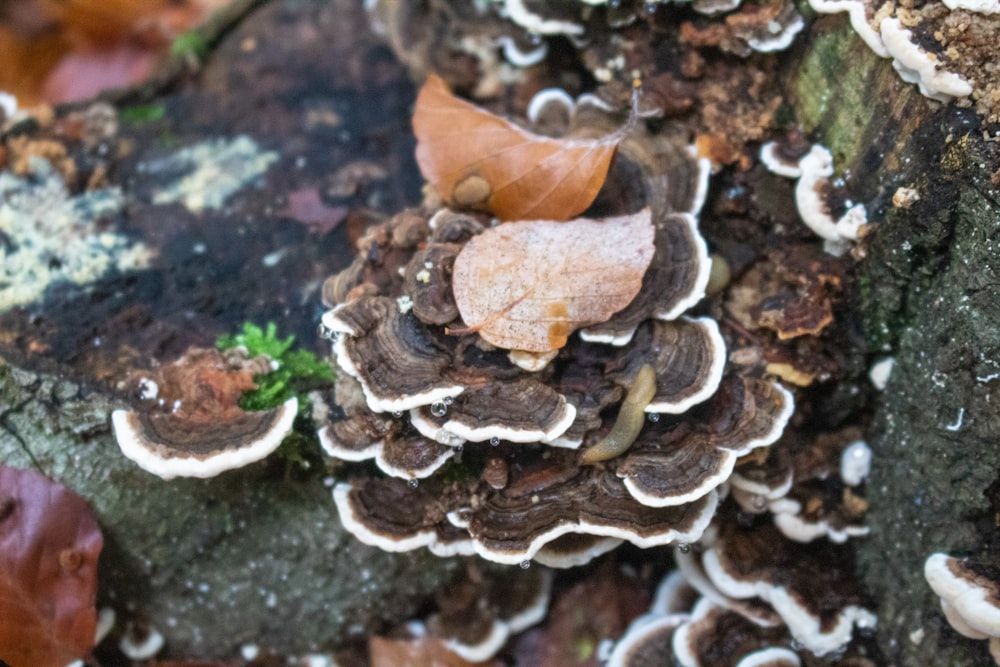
<point>548,500</point>
<point>818,603</point>
<point>715,635</point>
<point>648,641</point>
<point>968,590</point>
<point>400,363</point>
<point>388,514</point>
<point>672,463</point>
<point>674,281</point>
<point>519,410</point>
<point>398,451</point>
<point>540,503</point>
<point>170,445</point>
<point>479,611</point>
<point>688,356</point>
<point>427,281</point>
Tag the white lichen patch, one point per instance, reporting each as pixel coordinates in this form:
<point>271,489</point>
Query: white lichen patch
<point>221,167</point>
<point>48,237</point>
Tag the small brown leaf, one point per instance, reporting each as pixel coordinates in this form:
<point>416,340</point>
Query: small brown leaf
<point>476,159</point>
<point>427,651</point>
<point>528,286</point>
<point>49,544</point>
<point>306,207</point>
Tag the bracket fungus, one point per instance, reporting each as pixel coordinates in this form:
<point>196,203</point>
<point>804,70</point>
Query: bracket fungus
<point>814,195</point>
<point>194,427</point>
<point>970,596</point>
<point>561,332</point>
<point>944,48</point>
<point>693,623</point>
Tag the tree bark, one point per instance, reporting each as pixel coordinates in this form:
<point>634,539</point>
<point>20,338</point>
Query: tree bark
<point>929,287</point>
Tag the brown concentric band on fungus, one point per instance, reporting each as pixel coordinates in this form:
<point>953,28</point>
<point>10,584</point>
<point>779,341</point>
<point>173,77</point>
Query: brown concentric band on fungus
<point>396,454</point>
<point>412,364</point>
<point>676,463</point>
<point>819,607</point>
<point>533,498</point>
<point>521,410</point>
<point>169,446</point>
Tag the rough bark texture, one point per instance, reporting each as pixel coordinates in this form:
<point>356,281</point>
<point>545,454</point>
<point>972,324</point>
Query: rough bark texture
<point>213,564</point>
<point>929,286</point>
<point>210,562</point>
<point>250,555</point>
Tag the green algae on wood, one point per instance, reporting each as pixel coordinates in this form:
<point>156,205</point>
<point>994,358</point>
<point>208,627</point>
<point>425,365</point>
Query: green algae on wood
<point>847,95</point>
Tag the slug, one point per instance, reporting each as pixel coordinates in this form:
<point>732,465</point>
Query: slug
<point>631,417</point>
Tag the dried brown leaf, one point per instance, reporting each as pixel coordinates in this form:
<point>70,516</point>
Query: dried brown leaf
<point>426,651</point>
<point>528,286</point>
<point>49,544</point>
<point>476,159</point>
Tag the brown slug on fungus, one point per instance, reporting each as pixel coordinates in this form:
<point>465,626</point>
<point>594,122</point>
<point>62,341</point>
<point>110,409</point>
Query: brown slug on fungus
<point>631,417</point>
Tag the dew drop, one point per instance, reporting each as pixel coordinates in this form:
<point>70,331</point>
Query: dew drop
<point>448,400</point>
<point>614,4</point>
<point>651,7</point>
<point>438,409</point>
<point>494,441</point>
<point>525,564</point>
<point>413,483</point>
<point>397,414</point>
<point>653,417</point>
<point>684,548</point>
<point>535,39</point>
<point>758,502</point>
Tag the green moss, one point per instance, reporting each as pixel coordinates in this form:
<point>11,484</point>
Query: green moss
<point>191,47</point>
<point>837,97</point>
<point>145,113</point>
<point>297,371</point>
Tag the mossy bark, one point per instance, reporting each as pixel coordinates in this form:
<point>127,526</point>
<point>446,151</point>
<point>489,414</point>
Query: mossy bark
<point>930,282</point>
<point>217,563</point>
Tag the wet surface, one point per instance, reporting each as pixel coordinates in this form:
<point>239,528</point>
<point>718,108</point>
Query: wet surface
<point>322,111</point>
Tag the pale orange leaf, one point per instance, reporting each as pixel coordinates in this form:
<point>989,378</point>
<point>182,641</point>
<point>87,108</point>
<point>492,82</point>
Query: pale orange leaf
<point>476,159</point>
<point>528,286</point>
<point>426,651</point>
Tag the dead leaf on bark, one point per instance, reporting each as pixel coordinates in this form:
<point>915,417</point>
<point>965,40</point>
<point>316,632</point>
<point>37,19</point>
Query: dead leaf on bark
<point>478,160</point>
<point>49,544</point>
<point>428,651</point>
<point>528,286</point>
